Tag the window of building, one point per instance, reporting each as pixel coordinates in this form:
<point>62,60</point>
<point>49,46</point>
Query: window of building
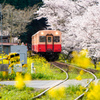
<point>5,40</point>
<point>42,39</point>
<point>56,38</point>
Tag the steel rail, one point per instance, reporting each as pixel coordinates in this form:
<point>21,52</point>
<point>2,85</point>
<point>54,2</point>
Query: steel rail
<point>80,96</point>
<point>38,96</point>
<point>95,79</point>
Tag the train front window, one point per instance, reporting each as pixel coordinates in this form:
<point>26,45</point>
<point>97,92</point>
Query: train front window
<point>42,39</point>
<point>49,39</point>
<point>56,38</point>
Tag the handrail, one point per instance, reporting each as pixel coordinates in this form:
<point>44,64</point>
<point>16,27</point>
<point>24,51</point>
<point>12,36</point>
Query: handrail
<point>3,58</point>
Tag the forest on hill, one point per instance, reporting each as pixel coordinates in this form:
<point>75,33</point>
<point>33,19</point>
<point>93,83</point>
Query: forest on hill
<point>21,4</point>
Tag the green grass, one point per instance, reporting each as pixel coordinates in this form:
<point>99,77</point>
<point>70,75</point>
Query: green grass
<point>71,93</point>
<point>11,93</point>
<point>55,74</point>
<point>52,73</point>
<point>43,70</point>
<point>73,73</point>
<point>8,77</point>
<point>98,74</point>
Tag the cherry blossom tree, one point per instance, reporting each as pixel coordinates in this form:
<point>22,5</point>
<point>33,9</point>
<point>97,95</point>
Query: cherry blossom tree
<point>78,20</point>
<point>87,30</point>
<point>15,20</point>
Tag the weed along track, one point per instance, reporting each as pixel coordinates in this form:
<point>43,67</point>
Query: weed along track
<point>61,85</point>
<point>58,66</point>
<point>94,79</point>
<point>67,66</point>
<point>69,69</point>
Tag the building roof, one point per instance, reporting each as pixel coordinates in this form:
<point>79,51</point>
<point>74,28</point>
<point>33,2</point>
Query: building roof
<point>8,44</point>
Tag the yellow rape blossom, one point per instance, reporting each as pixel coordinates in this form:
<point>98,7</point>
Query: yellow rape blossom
<point>11,65</point>
<point>53,93</point>
<point>61,91</point>
<point>5,73</point>
<point>27,78</point>
<point>78,77</point>
<point>82,88</point>
<point>57,93</point>
<point>19,82</point>
<point>94,93</point>
<point>98,68</point>
<point>81,59</point>
<point>25,65</point>
<point>78,92</point>
<point>81,72</point>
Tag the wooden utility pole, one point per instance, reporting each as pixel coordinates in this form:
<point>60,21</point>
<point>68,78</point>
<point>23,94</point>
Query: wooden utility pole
<point>11,23</point>
<point>1,41</point>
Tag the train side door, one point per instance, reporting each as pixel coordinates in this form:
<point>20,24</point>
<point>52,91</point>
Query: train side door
<point>49,43</point>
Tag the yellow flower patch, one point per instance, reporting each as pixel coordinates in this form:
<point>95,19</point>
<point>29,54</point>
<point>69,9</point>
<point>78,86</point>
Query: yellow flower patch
<point>81,72</point>
<point>19,82</point>
<point>57,93</point>
<point>81,59</point>
<point>79,77</point>
<point>94,93</point>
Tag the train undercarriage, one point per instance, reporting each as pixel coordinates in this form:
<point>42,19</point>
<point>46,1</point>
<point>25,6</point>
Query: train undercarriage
<point>50,56</point>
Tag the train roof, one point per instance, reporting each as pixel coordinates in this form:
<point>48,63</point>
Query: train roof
<point>44,30</point>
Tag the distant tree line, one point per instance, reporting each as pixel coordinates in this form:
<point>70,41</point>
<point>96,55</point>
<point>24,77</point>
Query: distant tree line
<point>21,4</point>
<point>20,18</point>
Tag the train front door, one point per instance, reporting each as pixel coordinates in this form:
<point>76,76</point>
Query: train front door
<point>49,43</point>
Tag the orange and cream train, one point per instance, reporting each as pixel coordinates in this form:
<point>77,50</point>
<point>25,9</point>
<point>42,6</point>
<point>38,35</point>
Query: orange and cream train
<point>47,43</point>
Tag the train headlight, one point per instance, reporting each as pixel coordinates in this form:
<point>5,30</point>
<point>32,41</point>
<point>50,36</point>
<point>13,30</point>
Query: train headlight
<point>42,33</point>
<point>56,33</point>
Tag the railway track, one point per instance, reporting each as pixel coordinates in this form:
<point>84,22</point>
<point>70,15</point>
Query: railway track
<point>38,96</point>
<point>86,86</point>
<point>63,66</point>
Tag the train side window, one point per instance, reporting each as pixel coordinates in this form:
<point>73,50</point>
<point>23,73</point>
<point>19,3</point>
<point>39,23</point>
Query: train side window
<point>49,39</point>
<point>56,38</point>
<point>42,39</point>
